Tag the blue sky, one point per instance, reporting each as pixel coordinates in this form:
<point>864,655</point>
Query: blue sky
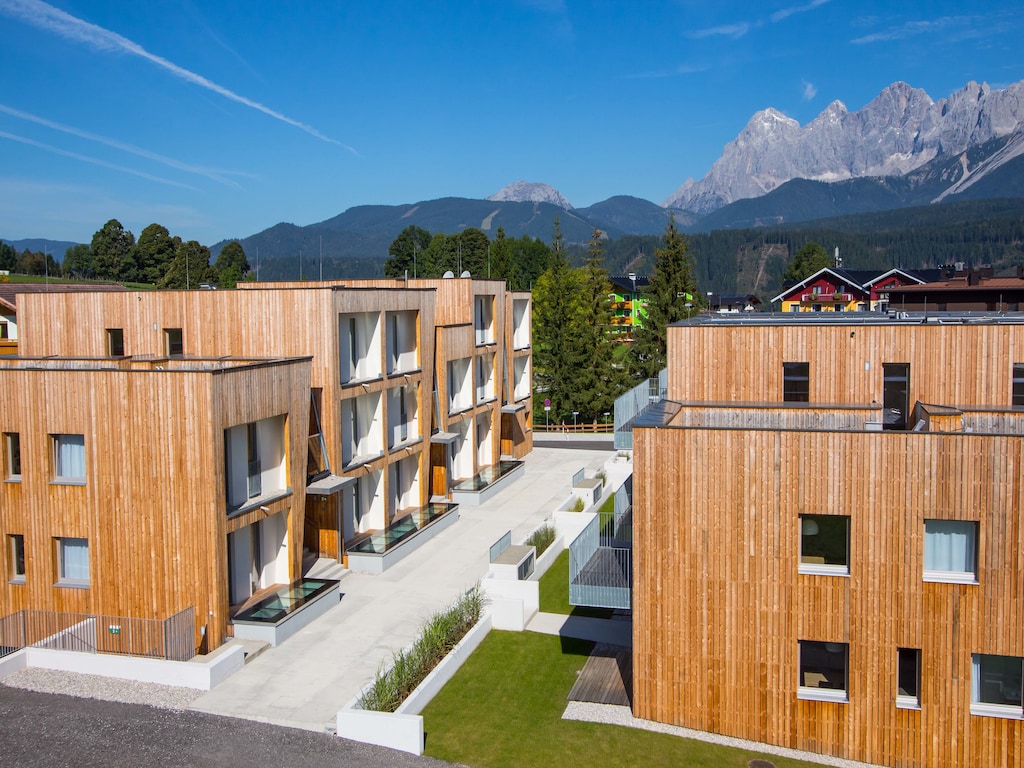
<point>221,118</point>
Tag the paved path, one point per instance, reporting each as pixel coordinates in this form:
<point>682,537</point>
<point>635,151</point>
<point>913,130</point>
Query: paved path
<point>306,680</point>
<point>44,730</point>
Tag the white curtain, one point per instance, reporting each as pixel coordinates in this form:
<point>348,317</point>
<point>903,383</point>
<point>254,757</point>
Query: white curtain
<point>70,455</point>
<point>949,546</point>
<point>74,559</point>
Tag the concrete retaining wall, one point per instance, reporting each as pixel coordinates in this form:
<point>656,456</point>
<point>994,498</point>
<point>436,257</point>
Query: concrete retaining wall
<point>203,675</point>
<point>403,729</point>
<point>511,603</point>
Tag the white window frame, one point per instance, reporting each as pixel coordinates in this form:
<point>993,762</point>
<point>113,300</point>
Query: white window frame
<point>945,575</point>
<point>810,693</point>
<point>62,445</point>
<point>76,579</point>
<point>822,569</point>
<point>986,709</point>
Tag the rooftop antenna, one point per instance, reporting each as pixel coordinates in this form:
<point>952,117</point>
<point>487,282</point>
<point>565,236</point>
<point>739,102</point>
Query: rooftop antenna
<point>257,263</point>
<point>839,260</point>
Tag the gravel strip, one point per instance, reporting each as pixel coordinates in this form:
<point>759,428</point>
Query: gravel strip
<point>103,688</point>
<point>611,714</point>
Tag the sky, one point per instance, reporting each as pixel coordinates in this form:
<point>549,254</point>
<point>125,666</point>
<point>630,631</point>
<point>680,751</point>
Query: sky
<point>221,118</point>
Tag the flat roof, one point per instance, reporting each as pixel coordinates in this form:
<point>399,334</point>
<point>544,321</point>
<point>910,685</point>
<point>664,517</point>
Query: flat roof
<point>141,363</point>
<point>854,318</point>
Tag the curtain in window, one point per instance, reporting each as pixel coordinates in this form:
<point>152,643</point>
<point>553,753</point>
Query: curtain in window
<point>70,455</point>
<point>949,546</point>
<point>74,559</point>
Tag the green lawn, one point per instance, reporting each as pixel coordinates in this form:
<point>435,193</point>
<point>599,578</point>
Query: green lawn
<point>554,591</point>
<point>504,708</point>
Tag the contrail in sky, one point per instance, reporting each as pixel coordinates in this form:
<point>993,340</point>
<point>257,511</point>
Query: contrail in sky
<point>93,160</point>
<point>45,16</point>
<point>123,146</point>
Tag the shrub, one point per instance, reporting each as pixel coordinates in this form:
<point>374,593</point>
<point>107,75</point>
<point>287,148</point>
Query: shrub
<point>542,538</point>
<point>436,638</point>
<point>577,506</point>
<point>600,475</point>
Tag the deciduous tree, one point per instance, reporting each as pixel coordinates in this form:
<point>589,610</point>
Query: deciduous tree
<point>404,252</point>
<point>154,253</point>
<point>78,261</point>
<point>231,266</point>
<point>808,260</point>
<point>190,267</point>
<point>113,252</point>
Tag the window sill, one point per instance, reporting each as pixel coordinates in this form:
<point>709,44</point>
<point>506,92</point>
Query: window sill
<point>12,479</point>
<point>950,577</point>
<point>823,694</point>
<point>68,584</point>
<point>405,372</point>
<point>908,702</point>
<point>258,501</point>
<point>820,569</point>
<point>1005,711</point>
<point>366,380</point>
<point>68,481</point>
<point>407,443</point>
<point>486,343</point>
<point>19,580</point>
<point>358,461</point>
<point>458,408</point>
<point>486,400</point>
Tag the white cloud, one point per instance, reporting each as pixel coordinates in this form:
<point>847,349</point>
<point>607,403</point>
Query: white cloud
<point>735,31</point>
<point>783,13</point>
<point>911,28</point>
<point>214,175</point>
<point>810,91</point>
<point>92,160</point>
<point>46,17</point>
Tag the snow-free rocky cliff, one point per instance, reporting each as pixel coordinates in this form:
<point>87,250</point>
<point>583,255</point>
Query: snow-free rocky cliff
<point>530,192</point>
<point>899,131</point>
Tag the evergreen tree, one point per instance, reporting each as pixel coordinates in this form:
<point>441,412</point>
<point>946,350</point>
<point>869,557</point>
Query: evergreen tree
<point>231,266</point>
<point>154,253</point>
<point>503,266</point>
<point>78,261</point>
<point>113,252</point>
<point>671,296</point>
<point>190,267</point>
<point>557,336</point>
<point>808,260</point>
<point>8,257</point>
<point>600,378</point>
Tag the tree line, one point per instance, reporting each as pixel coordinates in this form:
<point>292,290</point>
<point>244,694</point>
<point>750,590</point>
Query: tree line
<point>156,258</point>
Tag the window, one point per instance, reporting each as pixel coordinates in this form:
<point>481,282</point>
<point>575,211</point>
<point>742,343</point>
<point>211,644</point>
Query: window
<point>72,562</point>
<point>908,678</point>
<point>823,671</point>
<point>950,551</point>
<point>115,342</point>
<point>16,549</point>
<point>12,456</point>
<point>1017,391</point>
<point>825,545</point>
<point>895,395</point>
<point>175,345</point>
<point>253,469</point>
<point>483,319</point>
<point>796,382</point>
<point>3,331</point>
<point>996,685</point>
<point>317,464</point>
<point>68,458</point>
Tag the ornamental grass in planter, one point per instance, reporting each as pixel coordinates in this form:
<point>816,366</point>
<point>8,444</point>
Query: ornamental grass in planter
<point>437,637</point>
<point>542,538</point>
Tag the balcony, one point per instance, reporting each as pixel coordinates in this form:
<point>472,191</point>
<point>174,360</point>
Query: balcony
<point>601,557</point>
<point>824,297</point>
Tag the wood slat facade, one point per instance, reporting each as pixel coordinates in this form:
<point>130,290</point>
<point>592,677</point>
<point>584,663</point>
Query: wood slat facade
<point>720,603</point>
<point>153,501</point>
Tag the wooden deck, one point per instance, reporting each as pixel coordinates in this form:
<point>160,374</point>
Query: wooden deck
<point>607,677</point>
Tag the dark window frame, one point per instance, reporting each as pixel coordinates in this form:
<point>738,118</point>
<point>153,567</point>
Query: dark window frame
<point>796,382</point>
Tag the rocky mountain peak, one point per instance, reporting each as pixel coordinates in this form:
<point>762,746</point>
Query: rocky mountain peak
<point>899,131</point>
<point>531,192</point>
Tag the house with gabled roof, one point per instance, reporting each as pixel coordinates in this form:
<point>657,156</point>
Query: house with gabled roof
<point>834,289</point>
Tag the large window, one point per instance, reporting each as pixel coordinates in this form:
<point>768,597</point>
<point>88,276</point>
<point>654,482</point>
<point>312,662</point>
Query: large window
<point>908,678</point>
<point>950,551</point>
<point>1017,386</point>
<point>996,685</point>
<point>72,562</point>
<point>68,458</point>
<point>254,462</point>
<point>483,319</point>
<point>359,347</point>
<point>823,670</point>
<point>12,456</point>
<point>825,544</point>
<point>16,551</point>
<point>796,384</point>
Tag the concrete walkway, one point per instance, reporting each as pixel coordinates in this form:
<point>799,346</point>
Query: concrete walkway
<point>306,680</point>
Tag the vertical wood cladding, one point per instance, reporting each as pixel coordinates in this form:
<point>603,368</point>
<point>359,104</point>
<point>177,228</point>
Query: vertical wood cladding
<point>153,504</point>
<point>950,363</point>
<point>719,605</point>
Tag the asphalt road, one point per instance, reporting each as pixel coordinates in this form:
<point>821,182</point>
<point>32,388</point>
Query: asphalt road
<point>576,442</point>
<point>50,730</point>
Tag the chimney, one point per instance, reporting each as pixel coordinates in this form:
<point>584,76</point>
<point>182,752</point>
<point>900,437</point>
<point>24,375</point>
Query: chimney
<point>973,277</point>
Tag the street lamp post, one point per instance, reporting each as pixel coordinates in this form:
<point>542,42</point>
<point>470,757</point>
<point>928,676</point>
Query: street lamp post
<point>632,304</point>
<point>574,415</point>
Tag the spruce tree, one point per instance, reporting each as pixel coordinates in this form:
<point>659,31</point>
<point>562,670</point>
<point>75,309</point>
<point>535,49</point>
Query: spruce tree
<point>671,296</point>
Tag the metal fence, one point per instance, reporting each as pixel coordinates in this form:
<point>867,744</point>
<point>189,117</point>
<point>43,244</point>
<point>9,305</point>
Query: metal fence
<point>635,402</point>
<point>599,576</point>
<point>170,638</point>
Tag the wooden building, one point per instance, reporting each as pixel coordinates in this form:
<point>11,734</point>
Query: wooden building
<point>828,539</point>
<point>9,305</point>
<point>139,488</point>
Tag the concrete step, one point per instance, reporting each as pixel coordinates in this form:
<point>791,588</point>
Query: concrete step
<point>326,568</point>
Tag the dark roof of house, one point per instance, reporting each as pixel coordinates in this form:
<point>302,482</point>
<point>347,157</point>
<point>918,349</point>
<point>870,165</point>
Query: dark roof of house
<point>9,291</point>
<point>626,284</point>
<point>961,284</point>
